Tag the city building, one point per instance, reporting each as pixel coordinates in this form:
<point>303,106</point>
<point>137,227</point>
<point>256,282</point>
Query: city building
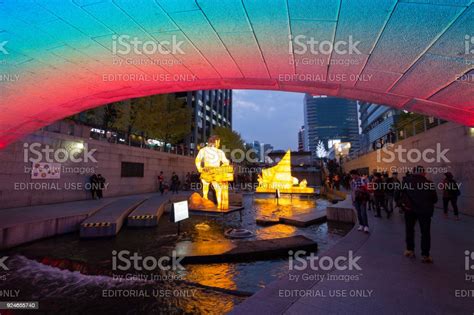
<point>211,109</point>
<point>301,145</point>
<point>261,150</point>
<point>330,120</point>
<point>375,122</point>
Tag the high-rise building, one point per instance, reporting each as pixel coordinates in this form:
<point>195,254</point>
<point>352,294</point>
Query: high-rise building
<point>330,120</point>
<point>261,150</point>
<point>375,122</point>
<point>267,149</point>
<point>301,146</point>
<point>211,109</point>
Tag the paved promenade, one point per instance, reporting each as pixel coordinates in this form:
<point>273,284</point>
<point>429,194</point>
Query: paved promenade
<point>25,224</point>
<point>387,283</point>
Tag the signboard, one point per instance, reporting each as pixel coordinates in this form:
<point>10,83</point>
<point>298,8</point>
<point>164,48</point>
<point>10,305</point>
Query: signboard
<point>43,170</point>
<point>342,148</point>
<point>180,211</point>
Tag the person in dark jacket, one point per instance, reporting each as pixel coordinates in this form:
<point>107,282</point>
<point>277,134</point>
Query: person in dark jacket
<point>101,183</point>
<point>379,195</point>
<point>450,194</point>
<point>391,191</point>
<point>94,186</point>
<point>418,198</point>
<point>174,183</point>
<point>161,183</point>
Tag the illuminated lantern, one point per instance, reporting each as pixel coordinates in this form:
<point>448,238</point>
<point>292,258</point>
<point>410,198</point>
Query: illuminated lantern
<point>214,167</point>
<point>279,177</point>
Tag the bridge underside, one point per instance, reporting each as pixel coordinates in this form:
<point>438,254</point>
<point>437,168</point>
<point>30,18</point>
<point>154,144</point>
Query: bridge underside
<point>60,57</point>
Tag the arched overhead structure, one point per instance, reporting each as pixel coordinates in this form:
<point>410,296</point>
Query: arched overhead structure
<point>59,57</point>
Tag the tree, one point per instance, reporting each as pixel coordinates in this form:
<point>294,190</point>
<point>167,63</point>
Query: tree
<point>321,151</point>
<point>128,116</point>
<point>230,139</point>
<point>407,122</point>
<point>163,117</point>
<point>104,117</point>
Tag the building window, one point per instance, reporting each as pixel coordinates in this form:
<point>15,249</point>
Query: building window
<point>130,169</point>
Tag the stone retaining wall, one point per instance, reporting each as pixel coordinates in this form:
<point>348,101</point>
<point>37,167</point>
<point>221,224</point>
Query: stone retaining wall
<point>18,189</point>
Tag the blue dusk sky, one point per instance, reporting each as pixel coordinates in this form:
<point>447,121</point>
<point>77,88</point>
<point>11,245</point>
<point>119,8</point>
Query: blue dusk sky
<point>269,117</point>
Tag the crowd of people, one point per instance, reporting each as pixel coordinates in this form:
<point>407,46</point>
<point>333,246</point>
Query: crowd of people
<point>415,196</point>
<point>97,185</point>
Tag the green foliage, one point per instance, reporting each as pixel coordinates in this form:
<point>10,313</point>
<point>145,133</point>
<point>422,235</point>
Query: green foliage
<point>405,119</point>
<point>163,117</point>
<point>230,139</point>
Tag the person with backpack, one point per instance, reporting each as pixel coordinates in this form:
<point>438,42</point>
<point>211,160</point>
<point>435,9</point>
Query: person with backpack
<point>360,196</point>
<point>417,199</point>
<point>451,193</point>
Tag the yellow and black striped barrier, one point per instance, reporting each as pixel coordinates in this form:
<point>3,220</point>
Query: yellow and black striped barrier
<point>142,217</point>
<point>98,224</point>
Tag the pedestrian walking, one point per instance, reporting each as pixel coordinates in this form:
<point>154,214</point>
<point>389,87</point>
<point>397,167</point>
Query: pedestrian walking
<point>101,186</point>
<point>418,198</point>
<point>94,186</point>
<point>379,195</point>
<point>360,196</point>
<point>451,193</point>
<point>174,183</point>
<point>161,182</point>
<point>188,181</point>
<point>392,188</point>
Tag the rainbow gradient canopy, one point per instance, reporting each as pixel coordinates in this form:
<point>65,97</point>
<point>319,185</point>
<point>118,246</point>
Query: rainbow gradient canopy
<point>59,57</point>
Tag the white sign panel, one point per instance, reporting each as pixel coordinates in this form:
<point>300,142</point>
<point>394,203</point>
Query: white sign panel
<point>42,170</point>
<point>180,211</point>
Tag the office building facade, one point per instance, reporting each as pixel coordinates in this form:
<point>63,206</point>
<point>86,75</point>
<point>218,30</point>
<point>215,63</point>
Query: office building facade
<point>375,122</point>
<point>329,120</point>
<point>301,133</point>
<point>210,109</point>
